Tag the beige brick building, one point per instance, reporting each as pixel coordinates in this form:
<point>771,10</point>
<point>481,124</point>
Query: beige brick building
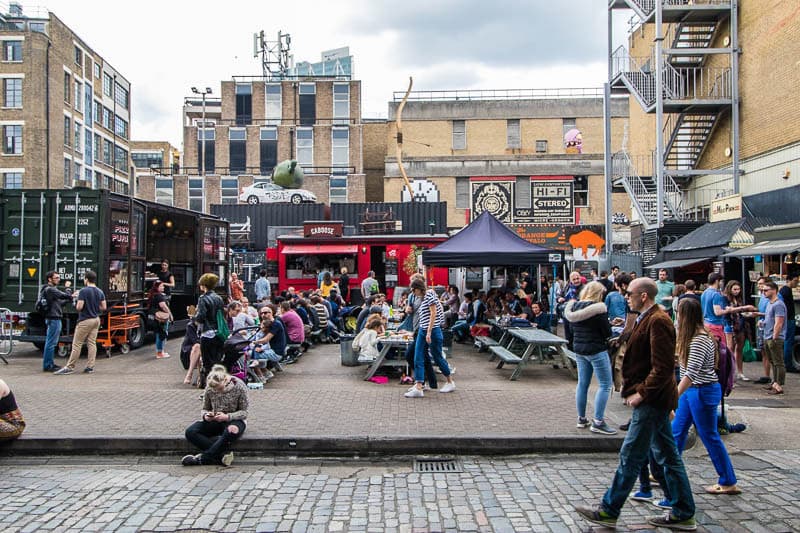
<point>504,151</point>
<point>256,124</point>
<point>153,162</point>
<point>66,111</point>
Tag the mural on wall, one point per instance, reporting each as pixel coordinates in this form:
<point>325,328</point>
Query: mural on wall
<point>550,199</point>
<point>424,191</point>
<point>573,142</point>
<point>579,242</point>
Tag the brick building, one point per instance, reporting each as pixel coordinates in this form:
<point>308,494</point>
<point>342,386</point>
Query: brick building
<point>504,151</point>
<point>257,123</point>
<point>153,161</point>
<point>66,111</point>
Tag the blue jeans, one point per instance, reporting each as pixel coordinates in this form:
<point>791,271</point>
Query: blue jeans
<point>698,405</point>
<point>162,332</point>
<point>51,341</point>
<point>650,432</point>
<point>599,364</point>
<point>788,345</point>
<point>421,349</point>
<point>460,330</point>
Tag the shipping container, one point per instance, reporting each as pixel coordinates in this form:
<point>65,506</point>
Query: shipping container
<point>122,239</point>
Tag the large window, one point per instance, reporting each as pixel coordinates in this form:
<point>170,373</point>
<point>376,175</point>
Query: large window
<point>273,109</point>
<point>237,151</point>
<point>268,157</point>
<point>244,104</point>
<point>459,135</point>
<point>337,190</point>
<point>205,141</point>
<point>341,103</point>
<point>513,139</point>
<point>12,180</point>
<point>108,84</point>
<point>462,193</point>
<point>196,194</point>
<point>78,171</point>
<point>230,190</point>
<point>67,172</point>
<point>78,56</point>
<point>305,147</point>
<point>12,136</point>
<point>78,95</point>
<point>87,110</point>
<point>107,119</point>
<point>121,96</point>
<point>12,90</point>
<point>108,147</point>
<point>78,136</point>
<point>98,147</point>
<point>340,150</point>
<point>67,131</point>
<point>97,70</point>
<point>12,50</point>
<point>164,191</point>
<point>67,87</point>
<point>522,198</point>
<point>581,191</point>
<point>121,158</point>
<point>308,104</point>
<point>87,146</point>
<point>121,126</point>
<point>147,160</point>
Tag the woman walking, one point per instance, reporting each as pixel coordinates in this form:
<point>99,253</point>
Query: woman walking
<point>588,320</point>
<point>222,420</point>
<point>735,324</point>
<point>429,337</point>
<point>208,305</point>
<point>700,393</point>
<point>158,304</point>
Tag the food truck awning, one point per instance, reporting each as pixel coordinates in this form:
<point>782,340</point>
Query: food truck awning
<point>310,249</point>
<point>676,263</point>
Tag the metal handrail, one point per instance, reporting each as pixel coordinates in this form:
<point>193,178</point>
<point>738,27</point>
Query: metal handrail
<point>500,94</point>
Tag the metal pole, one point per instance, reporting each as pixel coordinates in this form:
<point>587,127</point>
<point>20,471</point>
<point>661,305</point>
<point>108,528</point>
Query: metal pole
<point>203,144</point>
<point>735,91</point>
<point>607,151</point>
<point>659,38</point>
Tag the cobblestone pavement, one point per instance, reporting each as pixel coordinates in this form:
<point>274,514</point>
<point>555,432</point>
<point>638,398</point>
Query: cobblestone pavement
<point>527,493</point>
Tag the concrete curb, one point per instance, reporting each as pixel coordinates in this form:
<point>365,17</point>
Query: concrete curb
<point>319,445</point>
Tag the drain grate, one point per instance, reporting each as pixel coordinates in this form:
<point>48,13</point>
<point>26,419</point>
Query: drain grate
<point>438,466</point>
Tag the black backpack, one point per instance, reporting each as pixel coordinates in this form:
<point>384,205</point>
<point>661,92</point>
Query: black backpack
<point>42,305</point>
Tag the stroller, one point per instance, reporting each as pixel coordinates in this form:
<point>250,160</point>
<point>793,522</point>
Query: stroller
<point>237,354</point>
<point>349,317</point>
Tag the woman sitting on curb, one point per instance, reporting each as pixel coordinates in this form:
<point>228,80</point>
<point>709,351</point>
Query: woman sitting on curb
<point>222,420</point>
<point>11,423</point>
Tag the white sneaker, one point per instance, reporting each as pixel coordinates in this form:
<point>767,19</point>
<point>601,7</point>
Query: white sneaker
<point>268,375</point>
<point>450,386</point>
<point>424,387</point>
<point>742,377</point>
<point>414,393</point>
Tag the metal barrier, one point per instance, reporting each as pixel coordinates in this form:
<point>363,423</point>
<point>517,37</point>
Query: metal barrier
<point>6,334</point>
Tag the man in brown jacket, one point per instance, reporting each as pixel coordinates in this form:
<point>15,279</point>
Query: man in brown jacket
<point>648,371</point>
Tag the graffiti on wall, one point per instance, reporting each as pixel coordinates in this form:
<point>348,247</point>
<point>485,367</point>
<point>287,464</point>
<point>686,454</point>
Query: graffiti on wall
<point>579,242</point>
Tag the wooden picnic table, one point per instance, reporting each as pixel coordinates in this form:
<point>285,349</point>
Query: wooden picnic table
<point>536,341</point>
<point>387,343</point>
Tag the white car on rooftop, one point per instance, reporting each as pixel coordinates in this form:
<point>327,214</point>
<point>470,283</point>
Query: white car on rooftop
<point>268,192</point>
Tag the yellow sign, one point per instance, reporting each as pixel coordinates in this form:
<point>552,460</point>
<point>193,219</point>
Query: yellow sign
<point>32,271</point>
<point>727,208</point>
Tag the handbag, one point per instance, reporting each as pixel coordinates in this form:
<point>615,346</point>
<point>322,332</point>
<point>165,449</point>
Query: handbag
<point>162,316</point>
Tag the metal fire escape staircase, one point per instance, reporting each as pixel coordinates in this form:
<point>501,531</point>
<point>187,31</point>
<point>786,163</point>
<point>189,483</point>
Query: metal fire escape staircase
<point>694,96</point>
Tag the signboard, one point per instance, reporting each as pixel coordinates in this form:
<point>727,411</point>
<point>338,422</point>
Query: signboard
<point>579,242</point>
<point>323,229</point>
<point>554,258</point>
<point>551,201</point>
<point>524,200</point>
<point>727,208</point>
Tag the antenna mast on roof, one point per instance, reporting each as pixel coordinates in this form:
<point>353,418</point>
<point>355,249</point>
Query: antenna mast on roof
<point>275,57</point>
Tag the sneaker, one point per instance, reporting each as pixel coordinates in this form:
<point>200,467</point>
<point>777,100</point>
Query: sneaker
<point>670,522</point>
<point>64,371</point>
<point>450,386</point>
<point>737,428</point>
<point>602,427</point>
<point>582,423</point>
<point>663,504</point>
<point>424,387</point>
<point>191,460</point>
<point>88,370</point>
<point>415,393</point>
<point>54,368</point>
<point>268,375</point>
<point>227,459</point>
<point>162,355</point>
<point>742,377</point>
<point>596,516</point>
<point>642,496</point>
<point>764,380</point>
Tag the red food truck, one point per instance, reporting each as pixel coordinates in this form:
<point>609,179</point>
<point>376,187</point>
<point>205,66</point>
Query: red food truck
<point>324,247</point>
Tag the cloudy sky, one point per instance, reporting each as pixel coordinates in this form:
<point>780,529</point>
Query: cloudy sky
<point>165,47</point>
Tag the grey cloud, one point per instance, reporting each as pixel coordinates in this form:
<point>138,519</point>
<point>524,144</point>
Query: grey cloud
<point>500,33</point>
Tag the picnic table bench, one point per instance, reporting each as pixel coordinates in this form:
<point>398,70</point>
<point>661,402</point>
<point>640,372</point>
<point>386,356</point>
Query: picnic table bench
<point>537,341</point>
<point>505,355</point>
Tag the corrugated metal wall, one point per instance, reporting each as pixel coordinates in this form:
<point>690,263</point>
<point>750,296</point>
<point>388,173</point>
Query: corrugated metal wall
<point>415,217</point>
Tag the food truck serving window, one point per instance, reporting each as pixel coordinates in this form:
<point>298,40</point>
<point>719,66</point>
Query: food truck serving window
<point>298,249</point>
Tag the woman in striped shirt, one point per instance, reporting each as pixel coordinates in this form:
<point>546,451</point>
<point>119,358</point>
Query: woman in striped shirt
<point>700,393</point>
<point>429,336</point>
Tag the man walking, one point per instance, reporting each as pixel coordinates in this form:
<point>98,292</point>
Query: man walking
<point>649,387</point>
<point>665,288</point>
<point>369,286</point>
<point>54,299</point>
<point>785,294</point>
<point>774,335</point>
<point>91,302</point>
<point>713,306</point>
<point>262,287</point>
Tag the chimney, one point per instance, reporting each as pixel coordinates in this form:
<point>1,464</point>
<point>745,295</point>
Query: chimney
<point>15,9</point>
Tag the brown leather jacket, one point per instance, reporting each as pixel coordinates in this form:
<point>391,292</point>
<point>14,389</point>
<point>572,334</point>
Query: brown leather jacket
<point>649,364</point>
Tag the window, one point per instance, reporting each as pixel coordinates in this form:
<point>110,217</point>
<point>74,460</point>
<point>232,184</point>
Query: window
<point>107,148</point>
<point>147,160</point>
<point>244,104</point>
<point>78,56</point>
<point>12,180</point>
<point>12,89</point>
<point>98,148</point>
<point>121,95</point>
<point>308,104</point>
<point>337,189</point>
<point>462,193</point>
<point>87,175</point>
<point>164,191</point>
<point>87,147</point>
<point>121,127</point>
<point>67,87</point>
<point>273,110</point>
<point>121,158</point>
<point>78,94</point>
<point>98,112</point>
<point>230,190</point>
<point>341,103</point>
<point>581,191</point>
<point>305,147</point>
<point>13,140</point>
<point>77,136</point>
<point>108,83</point>
<point>567,124</point>
<point>78,174</point>
<point>87,110</point>
<point>107,121</point>
<point>513,139</point>
<point>12,50</point>
<point>37,26</point>
<point>67,172</point>
<point>541,146</point>
<point>196,194</point>
<point>340,150</point>
<point>67,131</point>
<point>237,151</point>
<point>459,135</point>
<point>205,147</point>
<point>522,198</point>
<point>97,70</point>
<point>269,150</point>
<point>88,67</point>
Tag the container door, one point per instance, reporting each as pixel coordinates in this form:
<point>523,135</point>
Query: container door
<point>213,249</point>
<point>80,237</point>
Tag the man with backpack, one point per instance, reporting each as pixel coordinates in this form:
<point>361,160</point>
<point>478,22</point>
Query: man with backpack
<point>50,301</point>
<point>90,304</point>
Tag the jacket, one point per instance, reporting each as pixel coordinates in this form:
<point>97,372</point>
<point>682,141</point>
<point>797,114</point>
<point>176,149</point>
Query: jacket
<point>589,326</point>
<point>55,299</point>
<point>207,307</point>
<point>649,364</point>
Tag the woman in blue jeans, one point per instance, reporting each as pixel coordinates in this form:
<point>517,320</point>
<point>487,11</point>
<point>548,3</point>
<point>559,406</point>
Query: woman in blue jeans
<point>700,393</point>
<point>590,331</point>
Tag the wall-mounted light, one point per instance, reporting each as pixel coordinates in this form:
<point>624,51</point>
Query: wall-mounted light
<point>788,259</point>
<point>363,249</point>
<point>154,221</point>
<point>168,223</point>
<point>728,151</point>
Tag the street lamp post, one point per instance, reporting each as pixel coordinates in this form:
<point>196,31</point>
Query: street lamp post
<point>203,129</point>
